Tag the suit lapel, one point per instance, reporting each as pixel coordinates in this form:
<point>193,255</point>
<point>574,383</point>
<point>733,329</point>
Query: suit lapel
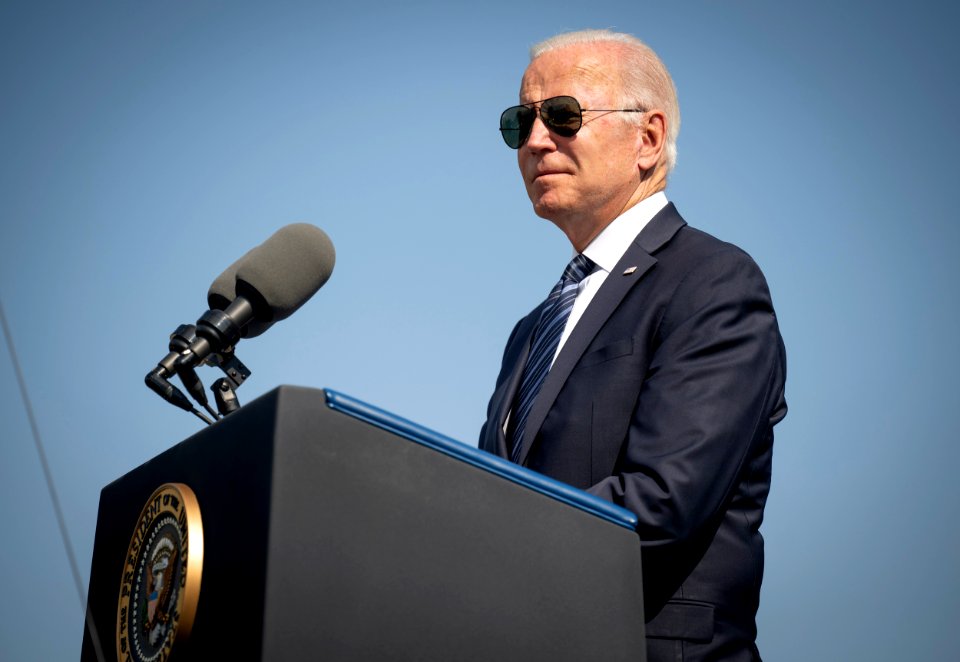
<point>635,263</point>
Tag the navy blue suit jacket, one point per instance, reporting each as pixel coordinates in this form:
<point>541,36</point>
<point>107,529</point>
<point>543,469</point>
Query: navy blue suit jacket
<point>663,400</point>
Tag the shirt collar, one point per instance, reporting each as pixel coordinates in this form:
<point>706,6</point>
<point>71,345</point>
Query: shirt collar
<point>608,247</point>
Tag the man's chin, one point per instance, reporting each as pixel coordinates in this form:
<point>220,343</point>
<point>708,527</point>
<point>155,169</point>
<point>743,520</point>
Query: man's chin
<point>548,208</point>
<point>548,214</point>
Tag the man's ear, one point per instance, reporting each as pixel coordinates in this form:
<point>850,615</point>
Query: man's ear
<point>651,139</point>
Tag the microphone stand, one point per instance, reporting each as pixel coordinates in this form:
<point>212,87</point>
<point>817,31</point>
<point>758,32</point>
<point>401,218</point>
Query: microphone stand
<point>225,388</point>
<point>195,345</point>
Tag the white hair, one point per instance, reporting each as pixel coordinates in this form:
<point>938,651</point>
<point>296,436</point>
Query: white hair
<point>645,81</point>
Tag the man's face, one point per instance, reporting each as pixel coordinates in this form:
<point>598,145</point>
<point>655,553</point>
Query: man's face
<point>583,182</point>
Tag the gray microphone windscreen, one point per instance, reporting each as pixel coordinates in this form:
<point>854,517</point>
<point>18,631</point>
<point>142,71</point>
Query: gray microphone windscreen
<point>286,270</point>
<point>223,291</point>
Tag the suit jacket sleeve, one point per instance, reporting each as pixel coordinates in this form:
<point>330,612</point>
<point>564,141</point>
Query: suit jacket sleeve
<point>712,391</point>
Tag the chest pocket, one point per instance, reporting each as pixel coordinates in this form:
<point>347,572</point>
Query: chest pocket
<point>606,353</point>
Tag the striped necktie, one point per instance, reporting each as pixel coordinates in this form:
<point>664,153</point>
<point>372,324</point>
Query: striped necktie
<point>546,337</point>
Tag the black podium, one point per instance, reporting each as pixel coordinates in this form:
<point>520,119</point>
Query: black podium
<point>335,531</point>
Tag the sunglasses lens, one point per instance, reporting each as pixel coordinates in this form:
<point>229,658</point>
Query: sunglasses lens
<point>515,123</point>
<point>562,115</point>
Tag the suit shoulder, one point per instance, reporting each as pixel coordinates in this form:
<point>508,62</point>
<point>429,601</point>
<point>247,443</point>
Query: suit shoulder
<point>695,244</point>
<point>696,267</point>
<point>693,250</point>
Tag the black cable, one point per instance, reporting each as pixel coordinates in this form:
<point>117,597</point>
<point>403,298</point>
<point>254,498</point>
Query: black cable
<point>199,414</point>
<point>211,411</point>
<point>48,476</point>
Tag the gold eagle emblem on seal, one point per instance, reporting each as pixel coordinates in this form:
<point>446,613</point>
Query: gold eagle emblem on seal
<point>160,583</point>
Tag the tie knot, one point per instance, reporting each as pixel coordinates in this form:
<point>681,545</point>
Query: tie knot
<point>578,269</point>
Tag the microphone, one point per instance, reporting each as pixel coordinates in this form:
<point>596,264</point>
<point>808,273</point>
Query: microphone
<point>223,290</point>
<point>267,284</point>
<point>280,274</point>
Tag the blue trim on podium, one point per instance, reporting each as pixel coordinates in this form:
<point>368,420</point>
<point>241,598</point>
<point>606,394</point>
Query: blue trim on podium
<point>481,459</point>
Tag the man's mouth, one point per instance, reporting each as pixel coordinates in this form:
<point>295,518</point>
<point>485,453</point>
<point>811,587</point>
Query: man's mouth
<point>547,172</point>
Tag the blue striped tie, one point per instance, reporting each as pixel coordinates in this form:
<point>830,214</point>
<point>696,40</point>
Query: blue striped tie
<point>546,337</point>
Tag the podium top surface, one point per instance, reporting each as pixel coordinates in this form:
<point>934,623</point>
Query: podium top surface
<point>480,459</point>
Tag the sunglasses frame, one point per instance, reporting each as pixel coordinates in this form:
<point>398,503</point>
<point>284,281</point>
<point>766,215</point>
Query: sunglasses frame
<point>537,108</point>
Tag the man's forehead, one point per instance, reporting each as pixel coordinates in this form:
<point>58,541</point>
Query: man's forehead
<point>582,66</point>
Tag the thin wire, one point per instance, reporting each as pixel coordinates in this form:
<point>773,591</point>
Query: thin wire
<point>199,414</point>
<point>48,476</point>
<point>211,411</point>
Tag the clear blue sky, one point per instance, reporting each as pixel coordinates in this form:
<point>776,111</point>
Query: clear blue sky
<point>146,145</point>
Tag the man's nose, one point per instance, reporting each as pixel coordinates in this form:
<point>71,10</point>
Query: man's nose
<point>540,136</point>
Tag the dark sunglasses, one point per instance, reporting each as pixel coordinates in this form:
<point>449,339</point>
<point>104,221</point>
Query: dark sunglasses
<point>562,115</point>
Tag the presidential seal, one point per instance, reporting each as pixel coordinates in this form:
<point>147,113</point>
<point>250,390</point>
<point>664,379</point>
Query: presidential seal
<point>161,576</point>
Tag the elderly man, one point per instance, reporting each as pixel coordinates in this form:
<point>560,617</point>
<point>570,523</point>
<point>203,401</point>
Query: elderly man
<point>653,374</point>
